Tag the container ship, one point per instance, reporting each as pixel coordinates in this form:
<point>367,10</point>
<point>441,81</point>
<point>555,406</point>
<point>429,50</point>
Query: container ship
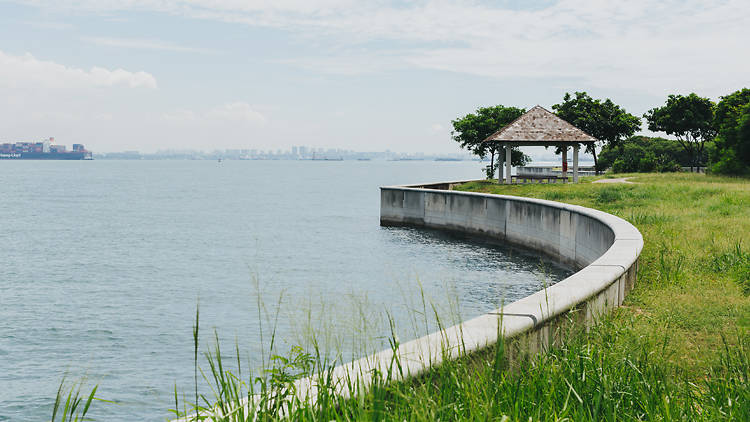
<point>45,150</point>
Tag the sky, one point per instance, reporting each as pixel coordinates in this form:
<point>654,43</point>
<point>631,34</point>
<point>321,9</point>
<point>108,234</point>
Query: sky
<point>149,75</point>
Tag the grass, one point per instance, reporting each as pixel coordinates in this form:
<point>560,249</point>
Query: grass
<point>69,403</point>
<point>678,349</point>
<point>694,274</point>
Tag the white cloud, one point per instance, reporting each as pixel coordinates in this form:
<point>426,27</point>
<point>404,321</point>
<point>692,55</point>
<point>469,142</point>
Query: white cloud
<point>30,72</point>
<point>42,98</point>
<point>641,45</point>
<point>638,50</point>
<point>146,44</point>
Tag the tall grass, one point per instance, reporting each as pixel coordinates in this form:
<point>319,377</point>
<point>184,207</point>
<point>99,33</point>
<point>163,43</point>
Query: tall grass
<point>735,263</point>
<point>70,404</point>
<point>590,378</point>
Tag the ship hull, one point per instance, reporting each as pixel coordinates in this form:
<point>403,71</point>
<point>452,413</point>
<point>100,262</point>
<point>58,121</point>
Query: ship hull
<point>46,156</point>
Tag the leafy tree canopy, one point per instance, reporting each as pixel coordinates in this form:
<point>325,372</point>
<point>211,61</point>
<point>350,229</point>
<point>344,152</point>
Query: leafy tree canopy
<point>732,152</point>
<point>470,130</point>
<point>604,120</point>
<point>689,118</point>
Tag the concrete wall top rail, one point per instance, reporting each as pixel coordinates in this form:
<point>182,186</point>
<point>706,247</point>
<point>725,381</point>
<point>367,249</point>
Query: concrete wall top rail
<point>604,248</point>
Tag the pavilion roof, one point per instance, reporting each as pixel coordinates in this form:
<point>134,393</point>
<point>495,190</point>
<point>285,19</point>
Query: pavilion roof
<point>540,126</point>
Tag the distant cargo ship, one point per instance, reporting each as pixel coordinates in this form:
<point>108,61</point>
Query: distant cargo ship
<point>45,150</point>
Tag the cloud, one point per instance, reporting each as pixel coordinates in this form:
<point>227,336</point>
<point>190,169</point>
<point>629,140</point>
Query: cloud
<point>28,71</point>
<point>635,52</point>
<point>641,45</point>
<point>42,98</point>
<point>146,44</point>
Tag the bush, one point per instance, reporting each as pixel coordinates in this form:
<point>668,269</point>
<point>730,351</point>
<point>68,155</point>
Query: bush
<point>647,163</point>
<point>619,166</point>
<point>645,154</point>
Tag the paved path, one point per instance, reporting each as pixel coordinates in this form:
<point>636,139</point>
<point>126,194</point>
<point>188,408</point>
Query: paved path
<point>618,180</point>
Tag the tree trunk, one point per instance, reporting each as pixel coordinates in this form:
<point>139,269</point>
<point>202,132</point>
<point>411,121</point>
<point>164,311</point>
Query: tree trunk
<point>596,163</point>
<point>492,165</point>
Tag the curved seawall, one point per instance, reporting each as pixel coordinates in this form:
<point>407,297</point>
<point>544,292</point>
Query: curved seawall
<point>603,248</point>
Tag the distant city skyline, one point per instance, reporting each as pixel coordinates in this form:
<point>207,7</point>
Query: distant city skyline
<point>204,74</point>
<point>302,152</point>
<point>293,152</point>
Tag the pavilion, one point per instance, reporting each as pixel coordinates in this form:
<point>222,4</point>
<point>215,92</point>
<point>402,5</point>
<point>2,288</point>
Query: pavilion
<point>541,127</point>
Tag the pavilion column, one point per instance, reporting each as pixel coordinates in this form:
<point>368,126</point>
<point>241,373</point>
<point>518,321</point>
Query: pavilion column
<point>565,161</point>
<point>507,164</point>
<point>575,163</point>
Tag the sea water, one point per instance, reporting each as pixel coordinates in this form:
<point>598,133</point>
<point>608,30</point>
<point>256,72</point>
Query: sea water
<point>105,262</point>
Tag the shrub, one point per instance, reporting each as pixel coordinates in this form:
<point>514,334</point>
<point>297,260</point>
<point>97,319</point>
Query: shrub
<point>645,154</point>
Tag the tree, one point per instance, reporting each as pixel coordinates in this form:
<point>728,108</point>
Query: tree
<point>470,130</point>
<point>689,118</point>
<point>732,120</point>
<point>604,120</point>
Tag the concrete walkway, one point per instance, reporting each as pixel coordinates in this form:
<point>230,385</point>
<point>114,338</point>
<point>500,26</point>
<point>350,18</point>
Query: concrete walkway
<point>618,180</point>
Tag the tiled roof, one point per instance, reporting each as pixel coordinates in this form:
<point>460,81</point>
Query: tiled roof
<point>540,125</point>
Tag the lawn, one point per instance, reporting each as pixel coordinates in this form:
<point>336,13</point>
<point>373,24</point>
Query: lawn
<point>694,274</point>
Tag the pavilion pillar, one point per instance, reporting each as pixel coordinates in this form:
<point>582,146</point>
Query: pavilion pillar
<point>575,163</point>
<point>565,161</point>
<point>507,164</point>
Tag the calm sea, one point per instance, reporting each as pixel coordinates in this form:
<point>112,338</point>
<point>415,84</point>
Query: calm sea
<point>104,263</point>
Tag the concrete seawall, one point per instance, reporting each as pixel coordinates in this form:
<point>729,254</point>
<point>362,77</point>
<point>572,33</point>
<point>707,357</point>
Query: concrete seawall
<point>603,248</point>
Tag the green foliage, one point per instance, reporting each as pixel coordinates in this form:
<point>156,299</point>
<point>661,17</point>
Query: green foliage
<point>604,120</point>
<point>71,407</point>
<point>690,118</point>
<point>472,129</point>
<point>732,152</point>
<point>644,154</point>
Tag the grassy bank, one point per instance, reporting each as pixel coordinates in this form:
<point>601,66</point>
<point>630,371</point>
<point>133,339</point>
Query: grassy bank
<point>694,275</point>
<point>678,349</point>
